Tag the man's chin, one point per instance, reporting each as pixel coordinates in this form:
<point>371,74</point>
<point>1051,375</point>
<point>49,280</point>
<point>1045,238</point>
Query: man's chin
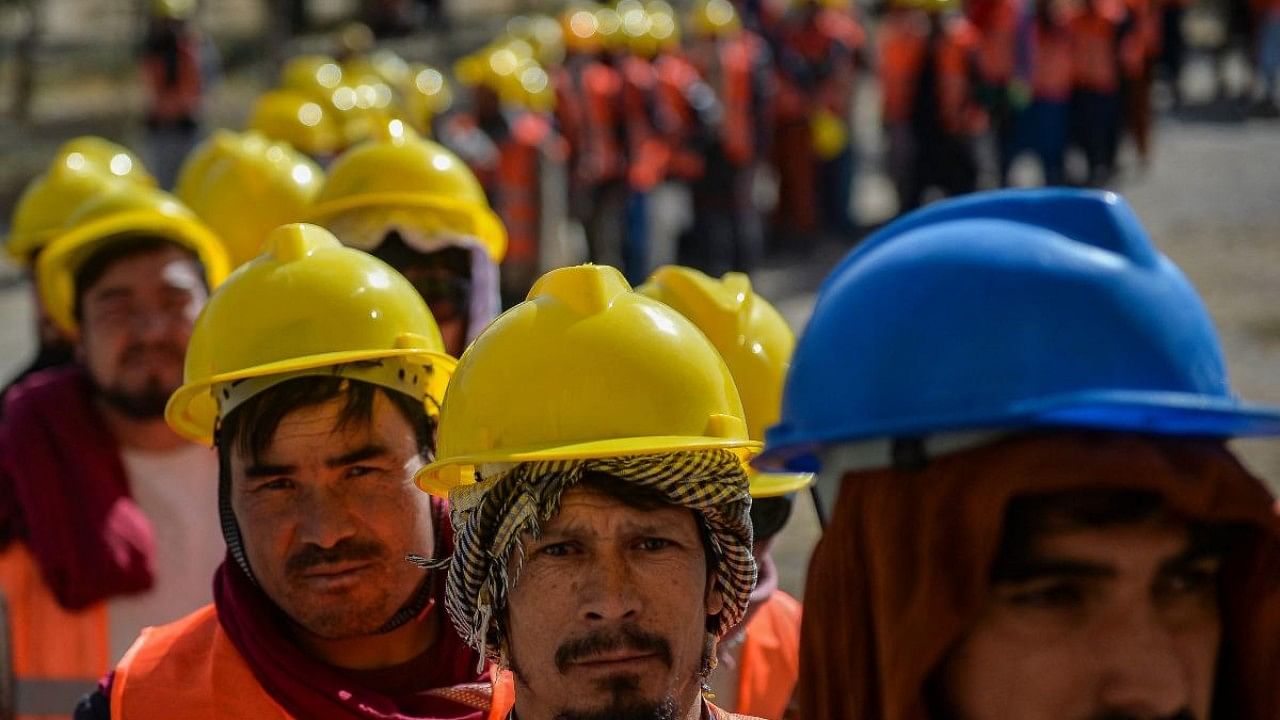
<point>625,709</point>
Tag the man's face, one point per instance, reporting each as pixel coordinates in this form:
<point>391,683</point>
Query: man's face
<point>328,513</point>
<point>1093,623</point>
<point>609,611</point>
<point>135,322</point>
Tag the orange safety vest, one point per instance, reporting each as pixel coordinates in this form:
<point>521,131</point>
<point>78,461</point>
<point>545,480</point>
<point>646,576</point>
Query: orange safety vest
<point>181,99</point>
<point>647,151</point>
<point>997,24</point>
<point>58,654</point>
<point>677,119</point>
<point>516,196</point>
<point>903,38</point>
<point>956,59</point>
<point>192,665</point>
<point>601,159</point>
<point>1050,63</point>
<point>1095,52</point>
<point>770,657</point>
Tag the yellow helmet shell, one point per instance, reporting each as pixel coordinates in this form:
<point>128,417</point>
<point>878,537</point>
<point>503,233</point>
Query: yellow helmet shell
<point>406,171</point>
<point>244,186</point>
<point>585,368</point>
<point>306,302</point>
<point>127,209</point>
<point>294,118</point>
<point>752,337</point>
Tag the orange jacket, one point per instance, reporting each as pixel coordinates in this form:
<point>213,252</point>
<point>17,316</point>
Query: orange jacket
<point>770,660</point>
<point>1095,51</point>
<point>678,121</point>
<point>191,664</point>
<point>588,103</point>
<point>179,100</point>
<point>1051,63</point>
<point>997,25</point>
<point>58,655</point>
<point>647,152</point>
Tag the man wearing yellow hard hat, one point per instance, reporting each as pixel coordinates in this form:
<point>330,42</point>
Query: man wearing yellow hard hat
<point>416,205</point>
<point>315,371</point>
<point>592,443</point>
<point>760,657</point>
<point>103,525</point>
<point>81,168</point>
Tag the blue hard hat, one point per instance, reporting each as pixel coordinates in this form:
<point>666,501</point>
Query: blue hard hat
<point>1007,310</point>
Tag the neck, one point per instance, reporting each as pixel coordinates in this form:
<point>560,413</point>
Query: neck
<point>374,652</point>
<point>151,434</point>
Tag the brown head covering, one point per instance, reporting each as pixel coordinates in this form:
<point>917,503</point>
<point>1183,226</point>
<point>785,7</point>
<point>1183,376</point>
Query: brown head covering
<point>903,569</point>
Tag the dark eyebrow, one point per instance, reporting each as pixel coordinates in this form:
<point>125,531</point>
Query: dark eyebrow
<point>261,470</point>
<point>1191,556</point>
<point>111,293</point>
<point>365,453</point>
<point>1044,568</point>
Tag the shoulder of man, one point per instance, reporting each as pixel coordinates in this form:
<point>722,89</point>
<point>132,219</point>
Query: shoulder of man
<point>44,392</point>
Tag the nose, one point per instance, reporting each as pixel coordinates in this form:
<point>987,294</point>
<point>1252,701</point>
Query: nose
<point>324,519</point>
<point>1149,671</point>
<point>609,593</point>
<point>151,325</point>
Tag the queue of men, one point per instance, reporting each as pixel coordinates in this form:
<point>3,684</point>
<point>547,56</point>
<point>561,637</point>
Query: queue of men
<point>281,457</point>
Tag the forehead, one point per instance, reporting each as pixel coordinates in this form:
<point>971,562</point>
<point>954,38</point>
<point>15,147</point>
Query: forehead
<point>325,429</point>
<point>164,266</point>
<point>586,509</point>
<point>1133,546</point>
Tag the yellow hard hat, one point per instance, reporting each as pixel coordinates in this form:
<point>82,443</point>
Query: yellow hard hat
<point>829,134</point>
<point>292,117</point>
<point>531,88</point>
<point>580,28</point>
<point>404,171</point>
<point>714,18</point>
<point>754,340</point>
<point>307,302</point>
<point>82,168</point>
<point>664,26</point>
<point>427,93</point>
<point>243,186</point>
<point>547,38</point>
<point>609,28</point>
<point>128,209</point>
<point>386,65</point>
<point>315,76</point>
<point>173,9</point>
<point>635,28</point>
<point>585,368</point>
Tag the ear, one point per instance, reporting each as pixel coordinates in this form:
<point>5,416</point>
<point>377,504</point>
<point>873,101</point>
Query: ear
<point>714,600</point>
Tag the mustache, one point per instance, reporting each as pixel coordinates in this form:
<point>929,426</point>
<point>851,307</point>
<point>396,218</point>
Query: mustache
<point>350,550</point>
<point>1183,714</point>
<point>628,637</point>
<point>136,351</point>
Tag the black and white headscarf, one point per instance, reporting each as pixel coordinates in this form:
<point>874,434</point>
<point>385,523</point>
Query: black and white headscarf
<point>490,516</point>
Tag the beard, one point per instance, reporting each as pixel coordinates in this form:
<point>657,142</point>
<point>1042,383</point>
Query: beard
<point>146,403</point>
<point>626,710</point>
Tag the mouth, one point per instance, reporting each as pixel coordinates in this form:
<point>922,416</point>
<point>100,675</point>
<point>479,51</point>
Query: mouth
<point>608,662</point>
<point>336,576</point>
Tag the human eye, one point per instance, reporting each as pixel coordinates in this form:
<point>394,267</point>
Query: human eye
<point>276,484</point>
<point>556,550</point>
<point>356,471</point>
<point>1196,581</point>
<point>655,544</point>
<point>1048,595</point>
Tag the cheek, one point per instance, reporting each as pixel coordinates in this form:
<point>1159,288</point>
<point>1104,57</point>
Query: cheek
<point>264,535</point>
<point>994,675</point>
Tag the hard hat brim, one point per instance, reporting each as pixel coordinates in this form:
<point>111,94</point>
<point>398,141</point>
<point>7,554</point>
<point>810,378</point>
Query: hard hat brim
<point>486,226</point>
<point>55,267</point>
<point>775,484</point>
<point>440,477</point>
<point>1138,411</point>
<point>192,411</point>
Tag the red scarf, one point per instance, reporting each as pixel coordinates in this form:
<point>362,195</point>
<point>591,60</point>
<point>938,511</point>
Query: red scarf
<point>308,688</point>
<point>64,493</point>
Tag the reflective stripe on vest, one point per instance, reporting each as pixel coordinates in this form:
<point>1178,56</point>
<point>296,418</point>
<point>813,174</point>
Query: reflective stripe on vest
<point>770,658</point>
<point>58,655</point>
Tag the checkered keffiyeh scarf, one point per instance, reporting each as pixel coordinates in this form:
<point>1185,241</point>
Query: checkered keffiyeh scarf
<point>490,516</point>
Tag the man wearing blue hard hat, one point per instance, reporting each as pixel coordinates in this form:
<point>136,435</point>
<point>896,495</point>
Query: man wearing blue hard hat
<point>1020,410</point>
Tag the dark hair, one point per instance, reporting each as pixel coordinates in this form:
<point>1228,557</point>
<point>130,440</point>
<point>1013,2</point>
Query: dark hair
<point>769,515</point>
<point>115,249</point>
<point>251,426</point>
